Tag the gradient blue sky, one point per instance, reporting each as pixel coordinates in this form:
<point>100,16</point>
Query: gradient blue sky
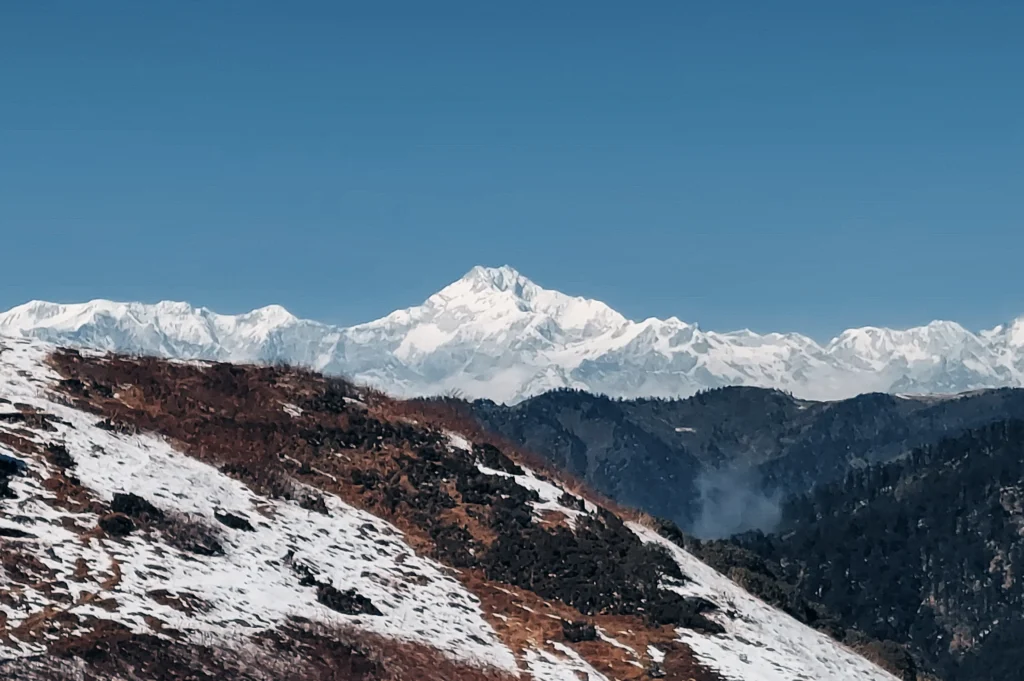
<point>784,166</point>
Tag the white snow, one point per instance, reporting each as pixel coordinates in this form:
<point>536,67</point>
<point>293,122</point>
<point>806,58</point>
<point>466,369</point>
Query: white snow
<point>603,635</point>
<point>760,642</point>
<point>568,666</point>
<point>251,588</point>
<point>496,334</point>
<point>549,494</point>
<point>456,441</point>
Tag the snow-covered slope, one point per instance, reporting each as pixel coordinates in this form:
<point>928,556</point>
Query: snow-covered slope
<point>496,334</point>
<point>250,589</point>
<point>69,574</point>
<point>760,642</point>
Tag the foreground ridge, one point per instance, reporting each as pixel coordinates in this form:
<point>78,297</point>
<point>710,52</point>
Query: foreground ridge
<point>210,521</point>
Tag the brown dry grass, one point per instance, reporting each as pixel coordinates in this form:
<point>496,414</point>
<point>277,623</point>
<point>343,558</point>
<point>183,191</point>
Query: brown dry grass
<point>529,621</point>
<point>19,443</point>
<point>394,660</point>
<point>455,417</point>
<point>232,417</point>
<point>183,601</point>
<point>300,652</point>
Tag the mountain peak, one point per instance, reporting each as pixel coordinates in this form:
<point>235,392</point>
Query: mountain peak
<point>1011,332</point>
<point>495,333</point>
<point>272,315</point>
<point>485,288</point>
<point>487,281</point>
<point>1016,332</point>
<point>504,278</point>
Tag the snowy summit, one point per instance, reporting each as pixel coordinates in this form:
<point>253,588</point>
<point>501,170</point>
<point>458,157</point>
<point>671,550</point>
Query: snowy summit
<point>496,334</point>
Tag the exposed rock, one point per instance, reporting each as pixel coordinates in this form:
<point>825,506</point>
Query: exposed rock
<point>59,456</point>
<point>346,602</point>
<point>117,524</point>
<point>135,506</point>
<point>575,632</point>
<point>234,521</point>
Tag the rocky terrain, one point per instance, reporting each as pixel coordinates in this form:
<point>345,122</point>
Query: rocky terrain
<point>187,520</point>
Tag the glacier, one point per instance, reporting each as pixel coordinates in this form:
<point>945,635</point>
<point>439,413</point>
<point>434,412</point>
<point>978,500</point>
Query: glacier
<point>495,334</point>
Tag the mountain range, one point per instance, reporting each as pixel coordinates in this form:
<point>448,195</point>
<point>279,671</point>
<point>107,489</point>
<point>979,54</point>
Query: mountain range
<point>495,334</point>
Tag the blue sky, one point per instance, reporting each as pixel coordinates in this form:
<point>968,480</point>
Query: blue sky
<point>782,166</point>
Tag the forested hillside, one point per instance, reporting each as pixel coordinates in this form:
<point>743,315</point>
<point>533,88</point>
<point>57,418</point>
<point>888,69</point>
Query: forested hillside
<point>926,551</point>
<point>722,461</point>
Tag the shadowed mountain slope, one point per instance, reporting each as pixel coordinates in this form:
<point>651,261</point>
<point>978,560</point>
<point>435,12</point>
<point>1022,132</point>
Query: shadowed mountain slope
<point>722,461</point>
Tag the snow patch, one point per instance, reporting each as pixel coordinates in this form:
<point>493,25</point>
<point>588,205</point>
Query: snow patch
<point>546,666</point>
<point>760,642</point>
<point>549,494</point>
<point>603,635</point>
<point>456,441</point>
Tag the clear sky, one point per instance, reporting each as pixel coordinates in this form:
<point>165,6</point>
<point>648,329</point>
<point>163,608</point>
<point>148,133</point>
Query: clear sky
<point>779,165</point>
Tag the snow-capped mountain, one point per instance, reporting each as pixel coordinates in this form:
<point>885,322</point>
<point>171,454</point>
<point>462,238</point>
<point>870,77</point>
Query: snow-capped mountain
<point>496,334</point>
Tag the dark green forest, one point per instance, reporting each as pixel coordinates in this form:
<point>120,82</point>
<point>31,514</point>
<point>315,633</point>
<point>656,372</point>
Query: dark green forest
<point>721,454</point>
<point>926,551</point>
